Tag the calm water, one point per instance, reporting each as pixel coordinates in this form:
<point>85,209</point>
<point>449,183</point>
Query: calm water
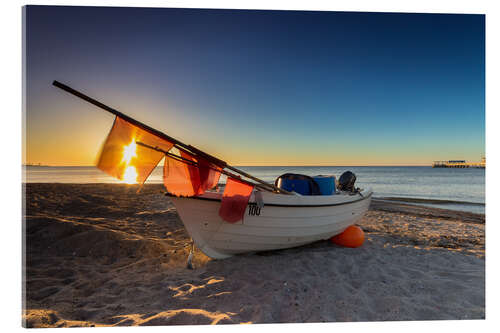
<point>464,187</point>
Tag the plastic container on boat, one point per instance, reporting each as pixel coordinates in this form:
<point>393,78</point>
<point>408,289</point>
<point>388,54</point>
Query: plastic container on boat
<point>326,184</point>
<point>300,186</point>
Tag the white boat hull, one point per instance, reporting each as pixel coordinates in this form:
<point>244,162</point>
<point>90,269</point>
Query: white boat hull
<point>285,221</point>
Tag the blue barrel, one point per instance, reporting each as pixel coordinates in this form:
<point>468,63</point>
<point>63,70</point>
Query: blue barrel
<point>326,184</point>
<point>300,186</point>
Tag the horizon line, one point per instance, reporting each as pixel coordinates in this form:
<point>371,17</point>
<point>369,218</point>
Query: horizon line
<point>247,165</point>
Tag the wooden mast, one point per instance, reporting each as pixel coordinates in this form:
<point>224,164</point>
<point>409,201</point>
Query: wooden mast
<point>195,164</point>
<point>177,144</point>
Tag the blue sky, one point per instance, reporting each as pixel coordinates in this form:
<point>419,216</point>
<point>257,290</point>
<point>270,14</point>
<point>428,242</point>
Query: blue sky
<point>260,87</point>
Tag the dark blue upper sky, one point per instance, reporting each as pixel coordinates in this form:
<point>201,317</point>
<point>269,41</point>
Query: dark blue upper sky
<point>260,87</point>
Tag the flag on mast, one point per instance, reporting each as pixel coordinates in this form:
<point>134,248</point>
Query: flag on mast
<point>182,178</point>
<point>122,158</point>
<point>234,200</point>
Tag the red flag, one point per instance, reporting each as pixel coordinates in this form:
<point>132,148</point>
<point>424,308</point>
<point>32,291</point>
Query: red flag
<point>209,177</point>
<point>234,200</point>
<point>183,179</point>
<point>122,158</point>
<point>178,179</point>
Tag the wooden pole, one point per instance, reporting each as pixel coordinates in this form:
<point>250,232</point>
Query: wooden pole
<point>186,161</point>
<point>178,144</point>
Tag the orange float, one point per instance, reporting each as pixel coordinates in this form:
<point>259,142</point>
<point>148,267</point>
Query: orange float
<point>353,236</point>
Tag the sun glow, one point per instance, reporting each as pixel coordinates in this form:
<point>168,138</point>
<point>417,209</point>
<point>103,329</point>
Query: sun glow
<point>130,175</point>
<point>129,152</point>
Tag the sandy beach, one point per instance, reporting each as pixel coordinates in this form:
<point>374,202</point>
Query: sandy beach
<point>105,255</point>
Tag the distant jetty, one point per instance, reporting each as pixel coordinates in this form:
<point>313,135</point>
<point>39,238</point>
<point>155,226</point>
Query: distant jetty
<point>459,164</point>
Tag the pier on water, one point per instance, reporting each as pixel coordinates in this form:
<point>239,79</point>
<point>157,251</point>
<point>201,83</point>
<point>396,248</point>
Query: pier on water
<point>459,164</point>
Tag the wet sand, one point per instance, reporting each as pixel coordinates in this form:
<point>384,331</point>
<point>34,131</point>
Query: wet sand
<point>105,255</point>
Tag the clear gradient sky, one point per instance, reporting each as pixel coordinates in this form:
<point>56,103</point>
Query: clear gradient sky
<point>259,87</point>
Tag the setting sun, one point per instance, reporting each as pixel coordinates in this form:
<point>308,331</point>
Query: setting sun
<point>130,175</point>
<point>129,152</point>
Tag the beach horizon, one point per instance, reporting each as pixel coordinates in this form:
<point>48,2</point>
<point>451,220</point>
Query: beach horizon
<point>455,189</point>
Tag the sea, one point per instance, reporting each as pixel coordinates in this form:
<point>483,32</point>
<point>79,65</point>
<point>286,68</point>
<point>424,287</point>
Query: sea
<point>448,188</point>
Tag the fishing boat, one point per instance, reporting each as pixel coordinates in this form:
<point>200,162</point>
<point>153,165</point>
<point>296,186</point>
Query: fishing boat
<point>284,221</point>
<point>250,215</point>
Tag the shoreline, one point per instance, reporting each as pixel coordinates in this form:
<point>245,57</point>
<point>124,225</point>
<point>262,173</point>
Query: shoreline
<point>105,255</point>
<point>426,211</point>
<point>429,201</point>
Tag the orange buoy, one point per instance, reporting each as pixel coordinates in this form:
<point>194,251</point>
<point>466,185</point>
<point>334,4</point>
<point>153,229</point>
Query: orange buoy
<point>353,236</point>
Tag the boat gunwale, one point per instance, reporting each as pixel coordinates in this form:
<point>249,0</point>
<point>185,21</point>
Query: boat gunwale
<point>278,205</point>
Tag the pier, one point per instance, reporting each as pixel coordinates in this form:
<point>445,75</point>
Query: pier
<point>459,164</point>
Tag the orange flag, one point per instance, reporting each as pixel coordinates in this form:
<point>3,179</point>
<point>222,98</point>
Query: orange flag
<point>121,157</point>
<point>206,172</point>
<point>234,200</point>
<point>178,180</point>
<point>183,179</point>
